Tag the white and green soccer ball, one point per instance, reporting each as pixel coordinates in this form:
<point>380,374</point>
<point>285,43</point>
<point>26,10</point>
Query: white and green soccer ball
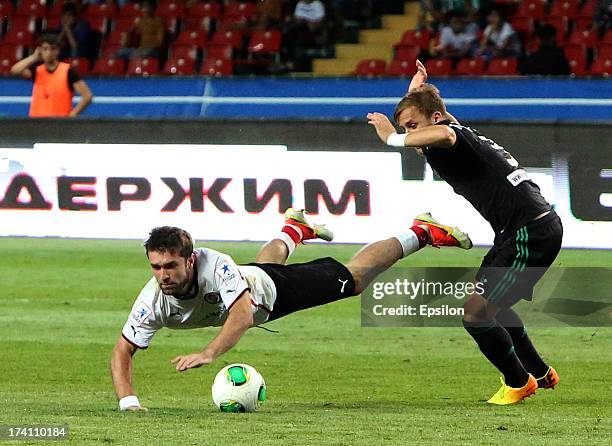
<point>238,388</point>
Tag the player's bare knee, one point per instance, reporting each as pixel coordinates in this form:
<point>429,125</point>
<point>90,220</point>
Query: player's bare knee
<point>475,309</point>
<point>358,279</point>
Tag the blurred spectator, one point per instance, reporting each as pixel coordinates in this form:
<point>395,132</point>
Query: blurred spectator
<point>305,29</point>
<point>269,14</point>
<point>54,82</point>
<point>499,38</point>
<point>549,58</point>
<point>457,38</point>
<point>75,39</point>
<point>146,38</point>
<point>433,12</point>
<point>355,11</point>
<point>603,16</point>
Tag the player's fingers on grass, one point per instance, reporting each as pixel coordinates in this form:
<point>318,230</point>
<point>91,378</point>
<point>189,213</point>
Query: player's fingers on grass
<point>176,359</point>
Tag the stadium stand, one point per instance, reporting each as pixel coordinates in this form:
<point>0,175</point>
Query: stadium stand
<point>199,32</point>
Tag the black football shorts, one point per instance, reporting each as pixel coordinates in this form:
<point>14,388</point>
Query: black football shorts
<point>305,285</point>
<point>518,259</point>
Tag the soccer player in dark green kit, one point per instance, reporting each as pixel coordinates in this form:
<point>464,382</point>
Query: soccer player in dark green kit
<point>528,232</point>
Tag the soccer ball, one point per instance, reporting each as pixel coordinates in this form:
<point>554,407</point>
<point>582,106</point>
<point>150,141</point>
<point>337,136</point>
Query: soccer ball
<point>238,388</point>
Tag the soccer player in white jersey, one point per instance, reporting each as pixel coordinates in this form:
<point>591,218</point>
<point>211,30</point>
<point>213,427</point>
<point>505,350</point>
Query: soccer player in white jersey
<point>202,287</point>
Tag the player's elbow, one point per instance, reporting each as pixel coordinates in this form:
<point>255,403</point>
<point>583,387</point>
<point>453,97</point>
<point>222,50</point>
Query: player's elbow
<point>448,137</point>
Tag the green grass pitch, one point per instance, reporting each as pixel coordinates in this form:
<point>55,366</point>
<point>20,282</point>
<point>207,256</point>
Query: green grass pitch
<point>330,381</point>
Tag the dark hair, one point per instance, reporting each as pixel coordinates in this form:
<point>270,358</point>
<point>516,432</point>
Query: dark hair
<point>50,38</point>
<point>171,239</point>
<point>426,99</point>
<point>69,7</point>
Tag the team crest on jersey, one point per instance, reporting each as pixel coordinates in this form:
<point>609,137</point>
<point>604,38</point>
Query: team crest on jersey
<point>141,313</point>
<point>213,298</point>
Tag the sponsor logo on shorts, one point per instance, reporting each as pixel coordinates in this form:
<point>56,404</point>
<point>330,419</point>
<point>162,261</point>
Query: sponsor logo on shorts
<point>343,282</point>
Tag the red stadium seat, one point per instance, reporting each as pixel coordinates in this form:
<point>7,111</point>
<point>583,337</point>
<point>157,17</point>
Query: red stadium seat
<point>32,8</point>
<point>217,67</point>
<point>98,23</point>
<point>6,10</point>
<point>180,51</point>
<point>52,21</point>
<point>125,23</point>
<point>179,66</point>
<point>171,12</point>
<point>607,38</point>
<point>581,23</point>
<point>604,50</point>
<point>201,16</point>
<point>170,7</point>
<point>471,67</point>
<point>143,66</point>
<point>416,37</point>
<point>198,38</point>
<point>8,51</point>
<point>523,25</point>
<point>585,17</point>
<point>532,8</point>
<point>407,52</point>
<point>503,67</point>
<point>109,66</point>
<point>56,9</point>
<point>585,37</point>
<point>101,9</point>
<point>18,37</point>
<point>115,37</point>
<point>401,68</point>
<point>567,8</point>
<point>576,57</point>
<point>11,51</point>
<point>6,63</point>
<point>239,10</point>
<point>214,51</point>
<point>131,9</point>
<point>233,38</point>
<point>602,67</point>
<point>266,42</point>
<point>80,64</point>
<point>439,67</point>
<point>370,67</point>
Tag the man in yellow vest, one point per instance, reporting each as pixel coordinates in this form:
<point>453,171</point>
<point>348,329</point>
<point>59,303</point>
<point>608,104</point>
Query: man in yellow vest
<point>54,82</point>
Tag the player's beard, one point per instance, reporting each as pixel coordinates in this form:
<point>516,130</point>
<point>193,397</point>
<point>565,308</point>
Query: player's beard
<point>185,289</point>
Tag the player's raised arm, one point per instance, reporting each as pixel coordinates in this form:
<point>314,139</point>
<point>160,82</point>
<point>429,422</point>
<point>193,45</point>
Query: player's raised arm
<point>239,320</point>
<point>121,371</point>
<point>433,135</point>
<point>419,80</point>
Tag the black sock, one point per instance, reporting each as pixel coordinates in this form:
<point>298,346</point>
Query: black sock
<point>496,344</point>
<point>522,344</point>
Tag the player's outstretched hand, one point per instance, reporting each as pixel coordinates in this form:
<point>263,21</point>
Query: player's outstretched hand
<point>191,361</point>
<point>419,78</point>
<point>382,125</point>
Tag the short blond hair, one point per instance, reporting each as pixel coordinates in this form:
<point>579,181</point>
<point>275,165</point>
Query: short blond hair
<point>426,99</point>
